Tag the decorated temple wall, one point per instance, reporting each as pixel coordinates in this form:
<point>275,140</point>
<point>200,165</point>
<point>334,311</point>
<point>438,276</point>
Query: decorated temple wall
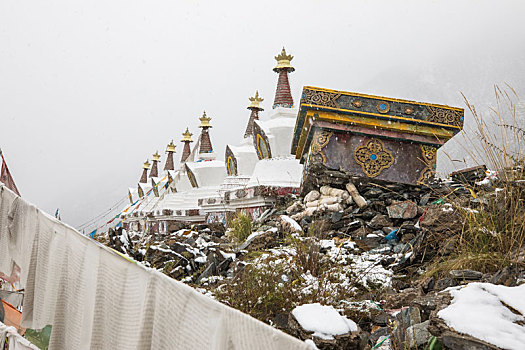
<point>374,157</point>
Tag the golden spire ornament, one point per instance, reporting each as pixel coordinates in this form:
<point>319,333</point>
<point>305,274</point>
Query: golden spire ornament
<point>146,164</point>
<point>186,136</point>
<point>169,148</point>
<point>205,121</point>
<point>156,156</point>
<point>255,101</point>
<point>283,62</point>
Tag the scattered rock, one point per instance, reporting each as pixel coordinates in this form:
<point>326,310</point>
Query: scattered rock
<point>402,210</point>
<point>445,283</point>
<point>466,274</point>
<point>379,221</point>
<point>417,334</point>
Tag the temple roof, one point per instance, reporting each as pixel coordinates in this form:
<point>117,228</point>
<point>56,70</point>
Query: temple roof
<point>435,121</point>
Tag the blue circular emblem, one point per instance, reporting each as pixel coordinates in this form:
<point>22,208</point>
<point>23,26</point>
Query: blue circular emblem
<point>373,156</point>
<point>382,106</point>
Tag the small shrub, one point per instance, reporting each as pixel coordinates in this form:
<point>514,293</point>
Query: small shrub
<point>308,255</point>
<point>274,284</point>
<point>240,228</point>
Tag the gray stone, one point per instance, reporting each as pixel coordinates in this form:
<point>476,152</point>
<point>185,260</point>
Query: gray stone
<point>379,221</point>
<point>211,270</point>
<point>417,334</point>
<point>398,248</point>
<point>445,283</point>
<point>466,274</point>
<point>337,216</point>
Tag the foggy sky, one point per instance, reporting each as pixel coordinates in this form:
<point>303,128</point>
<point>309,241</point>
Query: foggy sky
<point>90,90</point>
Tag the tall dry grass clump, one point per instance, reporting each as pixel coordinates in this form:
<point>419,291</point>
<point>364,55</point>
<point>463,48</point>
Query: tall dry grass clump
<point>494,232</point>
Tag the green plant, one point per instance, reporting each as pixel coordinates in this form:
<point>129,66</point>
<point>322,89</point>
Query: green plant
<point>240,228</point>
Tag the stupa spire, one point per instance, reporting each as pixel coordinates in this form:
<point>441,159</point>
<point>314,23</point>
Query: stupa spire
<point>255,108</point>
<point>205,145</point>
<point>170,149</point>
<point>186,138</point>
<point>154,169</point>
<point>283,96</point>
<point>145,168</point>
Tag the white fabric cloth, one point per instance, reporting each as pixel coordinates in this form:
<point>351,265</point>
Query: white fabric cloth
<point>96,299</point>
<point>16,341</point>
<point>6,201</point>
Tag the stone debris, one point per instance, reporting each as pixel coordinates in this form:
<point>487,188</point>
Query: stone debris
<point>379,233</point>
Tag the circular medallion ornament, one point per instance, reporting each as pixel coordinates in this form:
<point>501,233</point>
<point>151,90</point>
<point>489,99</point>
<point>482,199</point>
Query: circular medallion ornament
<point>409,110</point>
<point>383,107</point>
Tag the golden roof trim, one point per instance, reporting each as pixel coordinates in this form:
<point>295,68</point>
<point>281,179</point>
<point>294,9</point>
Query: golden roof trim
<point>392,99</point>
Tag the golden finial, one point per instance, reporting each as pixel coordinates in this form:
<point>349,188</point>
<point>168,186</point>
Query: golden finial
<point>170,148</point>
<point>146,165</point>
<point>156,156</point>
<point>255,101</point>
<point>283,62</point>
<point>205,121</point>
<point>186,136</point>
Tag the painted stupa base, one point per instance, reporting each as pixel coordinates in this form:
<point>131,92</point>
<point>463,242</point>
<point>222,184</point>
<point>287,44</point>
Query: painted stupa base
<point>371,136</point>
<point>251,201</point>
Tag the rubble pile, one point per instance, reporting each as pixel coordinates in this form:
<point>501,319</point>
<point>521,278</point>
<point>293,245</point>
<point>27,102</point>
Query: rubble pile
<point>369,241</point>
<point>190,254</point>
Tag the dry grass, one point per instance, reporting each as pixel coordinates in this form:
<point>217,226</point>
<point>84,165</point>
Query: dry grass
<point>494,233</point>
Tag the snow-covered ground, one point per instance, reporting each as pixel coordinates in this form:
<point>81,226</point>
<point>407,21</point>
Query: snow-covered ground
<point>493,313</point>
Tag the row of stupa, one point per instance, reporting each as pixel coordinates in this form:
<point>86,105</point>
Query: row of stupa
<point>203,189</point>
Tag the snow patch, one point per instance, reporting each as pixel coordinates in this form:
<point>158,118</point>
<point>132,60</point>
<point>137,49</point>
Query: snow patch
<point>324,321</point>
<point>479,309</point>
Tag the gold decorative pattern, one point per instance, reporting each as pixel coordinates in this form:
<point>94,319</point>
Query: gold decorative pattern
<point>262,148</point>
<point>358,103</point>
<point>319,142</point>
<point>429,157</point>
<point>373,157</point>
<point>445,116</point>
<point>231,166</point>
<point>320,98</point>
<point>409,110</point>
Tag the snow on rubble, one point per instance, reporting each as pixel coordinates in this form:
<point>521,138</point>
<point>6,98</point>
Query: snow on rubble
<point>323,320</point>
<point>493,313</point>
